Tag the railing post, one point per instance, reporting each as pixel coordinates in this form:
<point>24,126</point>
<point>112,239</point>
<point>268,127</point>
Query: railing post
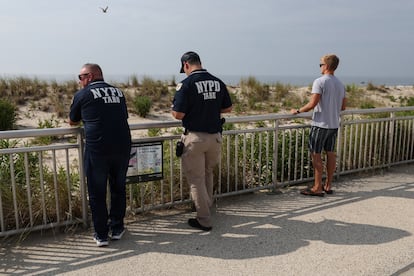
<point>391,138</point>
<point>82,178</point>
<point>338,148</point>
<point>275,189</point>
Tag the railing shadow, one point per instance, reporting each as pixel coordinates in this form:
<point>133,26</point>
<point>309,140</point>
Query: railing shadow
<point>246,227</point>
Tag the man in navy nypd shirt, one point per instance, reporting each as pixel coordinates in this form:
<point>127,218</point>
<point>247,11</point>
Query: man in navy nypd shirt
<point>103,111</point>
<point>199,101</point>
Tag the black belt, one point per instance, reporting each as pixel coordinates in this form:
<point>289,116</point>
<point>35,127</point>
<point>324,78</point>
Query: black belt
<point>186,131</point>
<point>222,121</point>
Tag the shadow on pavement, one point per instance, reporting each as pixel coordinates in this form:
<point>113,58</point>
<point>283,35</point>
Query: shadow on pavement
<point>245,227</point>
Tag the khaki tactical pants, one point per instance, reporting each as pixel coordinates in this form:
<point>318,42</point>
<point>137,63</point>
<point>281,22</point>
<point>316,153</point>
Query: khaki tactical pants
<point>202,152</point>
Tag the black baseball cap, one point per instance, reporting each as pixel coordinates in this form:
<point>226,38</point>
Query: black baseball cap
<point>191,57</point>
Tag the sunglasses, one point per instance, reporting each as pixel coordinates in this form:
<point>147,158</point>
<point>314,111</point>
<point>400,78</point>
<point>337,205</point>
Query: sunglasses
<point>81,75</point>
<point>321,64</point>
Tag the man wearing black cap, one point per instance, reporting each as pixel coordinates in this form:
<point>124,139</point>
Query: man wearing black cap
<point>199,101</point>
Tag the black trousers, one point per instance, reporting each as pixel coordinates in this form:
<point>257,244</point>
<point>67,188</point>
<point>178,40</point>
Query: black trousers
<point>101,170</point>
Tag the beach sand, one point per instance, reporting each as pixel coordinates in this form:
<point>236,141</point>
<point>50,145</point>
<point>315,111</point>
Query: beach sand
<point>29,117</point>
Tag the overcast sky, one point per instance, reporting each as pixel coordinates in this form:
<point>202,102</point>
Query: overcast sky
<point>240,37</point>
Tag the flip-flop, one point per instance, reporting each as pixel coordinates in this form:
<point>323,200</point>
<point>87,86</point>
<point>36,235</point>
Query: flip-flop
<point>309,192</point>
<point>329,192</point>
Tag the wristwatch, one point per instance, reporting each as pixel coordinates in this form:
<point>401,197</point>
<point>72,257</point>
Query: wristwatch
<point>298,110</point>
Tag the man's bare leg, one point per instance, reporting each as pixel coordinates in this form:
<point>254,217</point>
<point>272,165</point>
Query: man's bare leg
<point>330,169</point>
<point>318,171</point>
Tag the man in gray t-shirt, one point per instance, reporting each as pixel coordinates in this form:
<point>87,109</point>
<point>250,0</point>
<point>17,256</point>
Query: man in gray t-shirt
<point>327,101</point>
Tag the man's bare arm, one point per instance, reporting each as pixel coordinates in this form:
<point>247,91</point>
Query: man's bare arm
<point>227,110</point>
<point>177,115</point>
<point>72,123</point>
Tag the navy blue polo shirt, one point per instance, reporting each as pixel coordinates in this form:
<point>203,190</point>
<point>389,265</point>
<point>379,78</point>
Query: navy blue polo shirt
<point>103,110</point>
<point>201,96</point>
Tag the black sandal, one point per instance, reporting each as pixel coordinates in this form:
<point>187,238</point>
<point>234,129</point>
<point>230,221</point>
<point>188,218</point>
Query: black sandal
<point>309,192</point>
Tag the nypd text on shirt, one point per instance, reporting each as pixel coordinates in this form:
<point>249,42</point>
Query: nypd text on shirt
<point>208,88</point>
<point>108,94</point>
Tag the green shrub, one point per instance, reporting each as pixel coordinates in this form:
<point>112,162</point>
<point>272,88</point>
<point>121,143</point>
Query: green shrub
<point>43,191</point>
<point>410,101</point>
<point>292,100</point>
<point>154,132</point>
<point>354,95</point>
<point>281,90</point>
<point>238,108</point>
<point>353,88</point>
<point>7,115</point>
<point>392,98</point>
<point>47,123</point>
<point>153,89</point>
<point>254,91</point>
<point>406,102</point>
<point>142,105</point>
<point>366,105</point>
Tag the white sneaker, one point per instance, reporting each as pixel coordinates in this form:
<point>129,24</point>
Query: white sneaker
<point>117,235</point>
<point>100,242</point>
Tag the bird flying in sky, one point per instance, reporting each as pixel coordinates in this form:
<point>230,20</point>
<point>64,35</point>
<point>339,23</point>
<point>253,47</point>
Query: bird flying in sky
<point>104,10</point>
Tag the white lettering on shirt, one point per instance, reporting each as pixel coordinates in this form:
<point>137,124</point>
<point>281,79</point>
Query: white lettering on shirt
<point>107,94</point>
<point>209,95</point>
<point>208,88</point>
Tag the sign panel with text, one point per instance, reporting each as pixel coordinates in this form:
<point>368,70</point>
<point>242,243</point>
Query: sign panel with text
<point>145,162</point>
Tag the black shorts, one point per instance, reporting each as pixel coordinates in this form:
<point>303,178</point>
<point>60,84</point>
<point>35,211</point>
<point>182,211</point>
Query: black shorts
<point>322,138</point>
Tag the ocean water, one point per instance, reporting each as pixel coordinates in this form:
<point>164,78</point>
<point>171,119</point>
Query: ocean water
<point>235,79</point>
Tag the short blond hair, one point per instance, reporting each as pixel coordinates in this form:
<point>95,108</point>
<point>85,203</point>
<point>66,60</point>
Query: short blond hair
<point>331,61</point>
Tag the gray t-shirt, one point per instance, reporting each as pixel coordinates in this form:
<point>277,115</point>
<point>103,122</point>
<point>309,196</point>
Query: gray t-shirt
<point>326,112</point>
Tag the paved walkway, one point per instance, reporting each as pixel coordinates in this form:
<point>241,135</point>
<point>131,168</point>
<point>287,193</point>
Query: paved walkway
<point>365,228</point>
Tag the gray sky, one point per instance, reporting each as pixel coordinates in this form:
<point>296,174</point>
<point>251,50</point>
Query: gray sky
<point>240,37</point>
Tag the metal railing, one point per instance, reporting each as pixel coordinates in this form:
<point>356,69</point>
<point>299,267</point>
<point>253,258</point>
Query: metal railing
<point>43,186</point>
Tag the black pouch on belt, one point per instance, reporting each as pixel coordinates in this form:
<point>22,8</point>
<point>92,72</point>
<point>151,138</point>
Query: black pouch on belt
<point>179,149</point>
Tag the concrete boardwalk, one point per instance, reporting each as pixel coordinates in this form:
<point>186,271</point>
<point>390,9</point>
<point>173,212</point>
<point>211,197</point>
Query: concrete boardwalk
<point>365,228</point>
